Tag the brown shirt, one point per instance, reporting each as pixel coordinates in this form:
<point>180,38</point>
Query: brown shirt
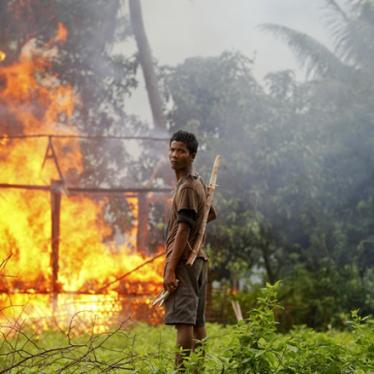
<point>190,196</point>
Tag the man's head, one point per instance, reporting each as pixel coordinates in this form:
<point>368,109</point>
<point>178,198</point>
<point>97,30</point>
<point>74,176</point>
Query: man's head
<point>182,150</point>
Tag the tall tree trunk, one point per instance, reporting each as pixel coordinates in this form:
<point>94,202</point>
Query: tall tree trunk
<point>146,62</point>
<point>155,102</point>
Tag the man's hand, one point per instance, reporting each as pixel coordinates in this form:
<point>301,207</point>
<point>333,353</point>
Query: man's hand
<point>170,280</point>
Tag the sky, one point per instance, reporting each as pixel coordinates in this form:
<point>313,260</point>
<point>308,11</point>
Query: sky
<point>178,29</point>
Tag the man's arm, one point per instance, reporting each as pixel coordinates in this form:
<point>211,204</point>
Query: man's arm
<point>180,244</point>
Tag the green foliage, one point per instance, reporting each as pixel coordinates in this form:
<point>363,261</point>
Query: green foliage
<point>295,196</point>
<point>322,298</point>
<point>253,350</point>
<point>258,348</point>
<point>220,306</point>
<point>251,346</point>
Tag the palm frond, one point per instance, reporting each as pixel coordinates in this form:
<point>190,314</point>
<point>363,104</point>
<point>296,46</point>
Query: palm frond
<point>313,56</point>
<point>336,21</point>
<point>358,5</point>
<point>337,10</point>
<point>357,44</point>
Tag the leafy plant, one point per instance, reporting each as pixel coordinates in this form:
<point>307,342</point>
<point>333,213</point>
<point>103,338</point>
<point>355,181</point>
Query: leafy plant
<point>258,348</point>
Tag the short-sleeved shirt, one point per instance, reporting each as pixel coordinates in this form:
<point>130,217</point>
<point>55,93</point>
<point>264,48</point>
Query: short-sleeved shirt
<point>188,203</point>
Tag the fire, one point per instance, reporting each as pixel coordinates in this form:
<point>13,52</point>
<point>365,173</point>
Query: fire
<point>33,101</point>
<point>61,34</point>
<point>2,55</point>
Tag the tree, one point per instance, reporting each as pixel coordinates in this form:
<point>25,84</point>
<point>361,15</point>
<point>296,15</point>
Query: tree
<point>145,58</point>
<point>295,194</point>
<point>219,98</point>
<point>340,112</point>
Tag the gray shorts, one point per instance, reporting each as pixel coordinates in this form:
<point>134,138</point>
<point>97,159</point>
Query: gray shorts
<point>187,304</point>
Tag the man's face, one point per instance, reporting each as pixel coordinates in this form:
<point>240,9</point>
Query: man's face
<point>179,156</point>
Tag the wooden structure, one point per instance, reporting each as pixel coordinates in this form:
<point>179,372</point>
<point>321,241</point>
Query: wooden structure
<point>58,187</point>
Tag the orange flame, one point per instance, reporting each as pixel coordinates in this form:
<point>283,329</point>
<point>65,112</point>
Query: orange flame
<point>61,33</point>
<point>36,102</point>
<point>2,55</point>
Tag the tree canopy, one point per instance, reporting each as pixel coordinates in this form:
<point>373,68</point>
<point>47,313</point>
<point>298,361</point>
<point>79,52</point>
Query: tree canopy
<point>296,195</point>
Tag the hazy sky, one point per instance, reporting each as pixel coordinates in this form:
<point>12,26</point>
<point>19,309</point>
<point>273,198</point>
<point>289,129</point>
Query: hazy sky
<point>178,29</point>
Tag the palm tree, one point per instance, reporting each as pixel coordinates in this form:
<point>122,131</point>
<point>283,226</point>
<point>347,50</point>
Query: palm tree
<point>342,80</point>
<point>352,33</point>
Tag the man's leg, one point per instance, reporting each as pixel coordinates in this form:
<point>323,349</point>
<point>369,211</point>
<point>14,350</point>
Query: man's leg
<point>199,329</point>
<point>199,334</point>
<point>185,340</point>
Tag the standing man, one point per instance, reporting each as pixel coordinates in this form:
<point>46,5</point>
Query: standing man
<point>185,307</point>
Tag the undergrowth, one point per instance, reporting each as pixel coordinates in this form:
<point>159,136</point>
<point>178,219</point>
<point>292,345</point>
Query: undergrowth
<point>251,346</point>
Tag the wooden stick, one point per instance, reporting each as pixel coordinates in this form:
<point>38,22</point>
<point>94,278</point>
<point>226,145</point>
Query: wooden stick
<point>161,298</point>
<point>237,310</point>
<point>130,272</point>
<point>209,200</point>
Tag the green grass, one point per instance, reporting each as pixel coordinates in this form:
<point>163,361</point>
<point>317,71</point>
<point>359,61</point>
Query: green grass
<point>251,346</point>
<point>138,347</point>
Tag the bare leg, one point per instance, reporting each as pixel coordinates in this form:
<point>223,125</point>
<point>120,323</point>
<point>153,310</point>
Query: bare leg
<point>199,333</point>
<point>185,336</point>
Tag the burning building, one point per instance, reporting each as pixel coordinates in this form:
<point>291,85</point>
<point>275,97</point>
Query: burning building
<point>60,255</point>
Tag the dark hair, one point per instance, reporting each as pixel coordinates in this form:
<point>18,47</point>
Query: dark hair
<point>187,138</point>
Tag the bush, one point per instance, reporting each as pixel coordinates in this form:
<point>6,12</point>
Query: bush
<point>322,299</point>
<point>258,348</point>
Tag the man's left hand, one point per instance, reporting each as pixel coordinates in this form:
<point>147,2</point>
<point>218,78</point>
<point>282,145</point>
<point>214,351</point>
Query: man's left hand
<point>170,280</point>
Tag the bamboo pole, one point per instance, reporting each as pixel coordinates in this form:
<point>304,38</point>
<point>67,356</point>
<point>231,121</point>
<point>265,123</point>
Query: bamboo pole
<point>209,201</point>
<point>237,310</point>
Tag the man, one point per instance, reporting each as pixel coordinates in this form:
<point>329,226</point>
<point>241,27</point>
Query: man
<point>185,307</point>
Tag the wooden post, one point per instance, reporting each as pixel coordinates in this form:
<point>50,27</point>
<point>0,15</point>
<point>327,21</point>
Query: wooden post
<point>237,310</point>
<point>142,242</point>
<point>56,188</point>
